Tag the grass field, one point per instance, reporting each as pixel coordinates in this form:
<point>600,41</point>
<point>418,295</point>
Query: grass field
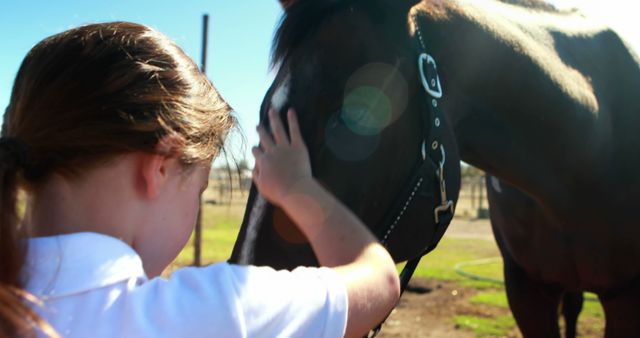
<point>220,229</point>
<point>440,265</point>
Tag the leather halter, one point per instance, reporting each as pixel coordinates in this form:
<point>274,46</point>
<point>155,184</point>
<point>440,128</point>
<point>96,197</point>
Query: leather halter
<point>429,172</point>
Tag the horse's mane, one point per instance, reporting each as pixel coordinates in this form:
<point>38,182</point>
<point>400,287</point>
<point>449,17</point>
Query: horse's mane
<point>303,17</point>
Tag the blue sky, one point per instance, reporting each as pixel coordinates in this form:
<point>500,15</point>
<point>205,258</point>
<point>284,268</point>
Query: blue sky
<point>240,34</point>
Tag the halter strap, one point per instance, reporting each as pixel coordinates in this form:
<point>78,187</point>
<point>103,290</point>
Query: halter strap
<point>431,167</point>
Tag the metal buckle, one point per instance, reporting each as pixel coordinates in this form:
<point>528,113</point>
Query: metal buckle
<point>442,208</point>
<point>437,91</point>
<point>445,204</point>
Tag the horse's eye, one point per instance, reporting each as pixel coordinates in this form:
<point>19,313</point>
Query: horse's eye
<point>344,135</point>
<point>355,114</point>
<point>366,110</point>
<point>348,116</point>
<point>336,119</point>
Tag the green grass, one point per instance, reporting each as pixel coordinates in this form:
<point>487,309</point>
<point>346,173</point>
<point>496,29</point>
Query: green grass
<point>221,225</point>
<point>592,308</point>
<point>451,251</point>
<point>486,327</point>
<point>591,318</point>
<point>497,298</point>
<point>592,315</point>
<point>220,229</point>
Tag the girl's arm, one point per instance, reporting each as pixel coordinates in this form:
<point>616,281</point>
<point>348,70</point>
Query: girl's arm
<point>339,239</point>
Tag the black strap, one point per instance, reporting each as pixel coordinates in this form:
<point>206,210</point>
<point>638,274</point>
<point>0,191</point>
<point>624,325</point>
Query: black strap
<point>412,264</point>
<point>433,156</point>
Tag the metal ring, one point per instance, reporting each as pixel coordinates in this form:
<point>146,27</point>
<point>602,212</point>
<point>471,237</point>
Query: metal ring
<point>434,145</point>
<point>437,91</point>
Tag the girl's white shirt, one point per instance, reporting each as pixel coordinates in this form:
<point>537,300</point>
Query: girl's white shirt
<point>93,285</point>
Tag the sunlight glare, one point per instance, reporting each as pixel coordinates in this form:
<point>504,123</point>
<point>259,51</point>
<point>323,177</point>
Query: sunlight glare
<point>618,14</point>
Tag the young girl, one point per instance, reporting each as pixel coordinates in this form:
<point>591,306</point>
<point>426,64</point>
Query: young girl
<point>111,130</point>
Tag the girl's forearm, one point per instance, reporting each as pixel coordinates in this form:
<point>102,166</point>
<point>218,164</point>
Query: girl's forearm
<point>340,240</point>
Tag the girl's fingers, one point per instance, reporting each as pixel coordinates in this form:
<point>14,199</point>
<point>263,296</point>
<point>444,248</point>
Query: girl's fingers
<point>294,128</point>
<point>279,135</point>
<point>266,141</point>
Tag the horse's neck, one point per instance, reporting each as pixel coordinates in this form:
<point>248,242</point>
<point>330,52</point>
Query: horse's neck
<point>526,91</point>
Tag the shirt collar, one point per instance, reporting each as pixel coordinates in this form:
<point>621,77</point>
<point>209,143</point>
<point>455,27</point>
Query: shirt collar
<point>68,264</point>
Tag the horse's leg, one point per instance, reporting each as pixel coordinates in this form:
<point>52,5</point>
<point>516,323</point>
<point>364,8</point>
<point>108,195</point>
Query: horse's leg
<point>622,312</point>
<point>571,307</point>
<point>534,304</point>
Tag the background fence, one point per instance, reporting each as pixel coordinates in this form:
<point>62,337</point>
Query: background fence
<point>227,186</point>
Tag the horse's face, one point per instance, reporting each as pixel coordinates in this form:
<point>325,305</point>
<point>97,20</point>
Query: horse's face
<point>349,70</point>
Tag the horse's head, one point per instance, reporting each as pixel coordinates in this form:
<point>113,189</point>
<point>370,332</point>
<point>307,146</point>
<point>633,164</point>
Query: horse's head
<point>350,70</point>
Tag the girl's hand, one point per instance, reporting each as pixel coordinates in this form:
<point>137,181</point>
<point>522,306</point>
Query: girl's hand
<point>280,163</point>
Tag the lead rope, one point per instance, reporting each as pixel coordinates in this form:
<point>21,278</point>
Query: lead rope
<point>433,87</point>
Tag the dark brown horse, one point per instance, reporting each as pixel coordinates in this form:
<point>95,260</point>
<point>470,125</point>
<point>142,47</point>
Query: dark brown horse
<point>543,100</point>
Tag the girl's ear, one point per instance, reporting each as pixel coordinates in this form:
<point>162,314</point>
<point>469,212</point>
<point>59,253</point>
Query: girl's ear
<point>152,173</point>
<point>155,169</point>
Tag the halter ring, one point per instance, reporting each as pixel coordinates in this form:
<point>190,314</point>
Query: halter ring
<point>437,91</point>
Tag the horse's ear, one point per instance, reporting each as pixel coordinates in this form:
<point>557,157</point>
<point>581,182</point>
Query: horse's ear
<point>398,4</point>
<point>287,3</point>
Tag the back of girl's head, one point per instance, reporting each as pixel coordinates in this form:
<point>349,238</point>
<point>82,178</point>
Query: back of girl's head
<point>88,94</point>
<point>103,89</point>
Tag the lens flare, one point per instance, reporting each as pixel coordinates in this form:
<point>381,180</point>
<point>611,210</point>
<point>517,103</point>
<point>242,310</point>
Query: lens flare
<point>375,96</point>
<point>366,110</point>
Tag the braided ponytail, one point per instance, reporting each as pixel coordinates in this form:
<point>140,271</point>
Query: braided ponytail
<point>17,319</point>
<point>12,157</point>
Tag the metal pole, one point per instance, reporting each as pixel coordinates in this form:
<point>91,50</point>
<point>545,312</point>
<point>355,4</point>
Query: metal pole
<point>197,238</point>
<point>205,31</point>
<point>474,184</point>
<point>482,191</point>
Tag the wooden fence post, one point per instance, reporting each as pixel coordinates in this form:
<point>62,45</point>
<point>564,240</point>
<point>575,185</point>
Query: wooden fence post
<point>197,238</point>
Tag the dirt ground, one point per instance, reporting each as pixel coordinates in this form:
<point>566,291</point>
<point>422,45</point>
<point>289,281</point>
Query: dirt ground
<point>428,307</point>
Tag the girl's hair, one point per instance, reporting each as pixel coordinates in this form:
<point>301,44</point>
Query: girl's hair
<point>84,96</point>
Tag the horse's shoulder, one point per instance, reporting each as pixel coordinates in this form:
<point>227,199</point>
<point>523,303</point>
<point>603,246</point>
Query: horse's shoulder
<point>572,48</point>
<point>510,19</point>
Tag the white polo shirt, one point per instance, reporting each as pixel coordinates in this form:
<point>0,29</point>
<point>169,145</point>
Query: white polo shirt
<point>93,285</point>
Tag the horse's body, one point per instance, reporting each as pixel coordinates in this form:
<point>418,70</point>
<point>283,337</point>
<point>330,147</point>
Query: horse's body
<point>543,101</point>
<point>556,123</point>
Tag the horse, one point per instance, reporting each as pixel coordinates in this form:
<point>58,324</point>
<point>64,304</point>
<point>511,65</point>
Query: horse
<point>542,100</point>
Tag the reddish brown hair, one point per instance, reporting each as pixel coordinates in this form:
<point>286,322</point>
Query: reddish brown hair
<point>82,97</point>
